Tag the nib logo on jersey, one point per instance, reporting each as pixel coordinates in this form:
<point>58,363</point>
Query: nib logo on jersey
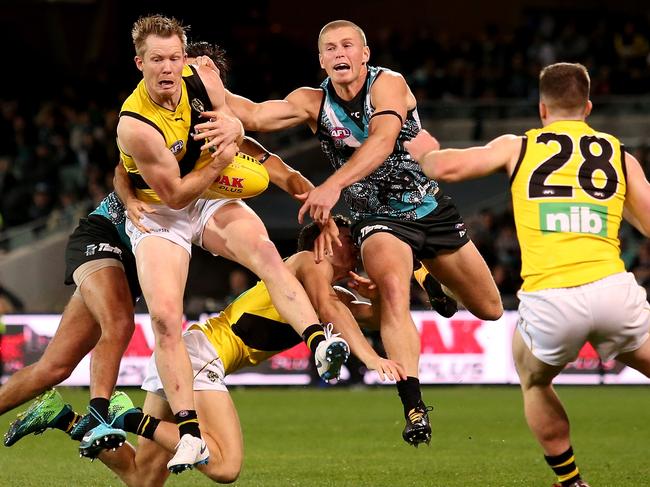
<point>573,217</point>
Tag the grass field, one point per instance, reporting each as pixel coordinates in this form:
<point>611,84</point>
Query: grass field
<point>340,437</point>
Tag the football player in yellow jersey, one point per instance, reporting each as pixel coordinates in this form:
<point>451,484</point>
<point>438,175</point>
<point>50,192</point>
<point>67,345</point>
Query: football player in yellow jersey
<point>167,167</point>
<point>571,186</point>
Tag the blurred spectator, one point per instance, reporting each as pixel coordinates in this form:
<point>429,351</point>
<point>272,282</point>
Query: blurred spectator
<point>238,282</point>
<point>41,205</point>
<point>641,265</point>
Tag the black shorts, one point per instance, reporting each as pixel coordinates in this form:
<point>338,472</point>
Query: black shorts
<point>441,230</point>
<point>96,238</point>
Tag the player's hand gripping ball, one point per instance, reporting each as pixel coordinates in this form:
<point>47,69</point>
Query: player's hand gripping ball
<point>244,177</point>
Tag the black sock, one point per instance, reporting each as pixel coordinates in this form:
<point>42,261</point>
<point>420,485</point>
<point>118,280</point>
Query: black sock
<point>313,335</point>
<point>68,421</point>
<point>409,393</point>
<point>564,466</point>
<point>141,424</point>
<point>188,423</point>
<point>100,407</point>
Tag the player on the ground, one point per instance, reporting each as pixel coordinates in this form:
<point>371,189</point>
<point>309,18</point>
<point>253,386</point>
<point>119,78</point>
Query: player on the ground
<point>571,185</point>
<point>247,332</point>
<point>363,115</point>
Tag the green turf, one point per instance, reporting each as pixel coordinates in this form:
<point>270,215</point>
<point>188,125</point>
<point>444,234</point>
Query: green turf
<point>340,437</point>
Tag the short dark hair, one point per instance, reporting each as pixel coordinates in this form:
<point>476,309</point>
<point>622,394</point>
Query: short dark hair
<point>213,51</point>
<point>310,232</point>
<point>564,86</point>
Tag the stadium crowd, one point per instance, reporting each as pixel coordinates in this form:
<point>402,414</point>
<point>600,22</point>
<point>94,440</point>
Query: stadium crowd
<point>57,155</point>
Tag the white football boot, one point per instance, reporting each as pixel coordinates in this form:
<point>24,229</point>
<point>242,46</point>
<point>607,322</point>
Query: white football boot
<point>331,354</point>
<point>190,452</point>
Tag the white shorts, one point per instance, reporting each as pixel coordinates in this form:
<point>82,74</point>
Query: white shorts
<point>183,227</point>
<point>207,367</point>
<point>612,314</point>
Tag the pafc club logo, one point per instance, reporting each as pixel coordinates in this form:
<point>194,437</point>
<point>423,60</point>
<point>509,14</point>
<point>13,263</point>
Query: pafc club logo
<point>339,133</point>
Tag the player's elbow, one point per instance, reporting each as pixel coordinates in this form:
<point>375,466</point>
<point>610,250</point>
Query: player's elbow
<point>173,200</point>
<point>177,204</point>
<point>440,171</point>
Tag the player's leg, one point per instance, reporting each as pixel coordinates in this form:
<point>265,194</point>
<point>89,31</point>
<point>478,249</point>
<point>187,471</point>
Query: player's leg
<point>219,428</point>
<point>105,290</point>
<point>162,270</point>
<point>544,412</point>
<point>234,231</point>
<point>388,262</point>
<point>466,274</point>
<point>146,466</point>
<point>74,338</point>
<point>222,432</point>
<point>639,359</point>
<point>441,298</point>
<point>634,313</point>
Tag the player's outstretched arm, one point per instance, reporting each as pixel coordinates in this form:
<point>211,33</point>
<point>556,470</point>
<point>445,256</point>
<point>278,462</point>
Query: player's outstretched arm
<point>316,279</point>
<point>280,173</point>
<point>637,199</point>
<point>453,165</point>
<point>300,106</point>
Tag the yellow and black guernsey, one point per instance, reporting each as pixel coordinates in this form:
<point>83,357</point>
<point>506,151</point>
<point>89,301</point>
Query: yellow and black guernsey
<point>249,330</point>
<point>175,126</point>
<point>568,190</point>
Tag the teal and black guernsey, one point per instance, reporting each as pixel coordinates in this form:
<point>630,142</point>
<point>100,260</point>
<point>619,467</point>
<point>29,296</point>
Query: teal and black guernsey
<point>397,188</point>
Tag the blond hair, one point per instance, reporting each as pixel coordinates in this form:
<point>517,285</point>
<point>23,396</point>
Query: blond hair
<point>336,24</point>
<point>564,86</point>
<point>157,25</point>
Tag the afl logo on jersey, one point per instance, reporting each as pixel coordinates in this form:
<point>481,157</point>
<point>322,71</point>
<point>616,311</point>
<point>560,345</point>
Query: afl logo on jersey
<point>339,133</point>
<point>197,105</point>
<point>176,147</point>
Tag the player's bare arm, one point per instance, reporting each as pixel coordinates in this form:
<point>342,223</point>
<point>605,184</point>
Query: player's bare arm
<point>280,173</point>
<point>159,167</point>
<point>390,93</point>
<point>300,106</point>
<point>453,165</point>
<point>294,183</point>
<point>134,207</point>
<point>316,279</point>
<point>230,127</point>
<point>637,199</point>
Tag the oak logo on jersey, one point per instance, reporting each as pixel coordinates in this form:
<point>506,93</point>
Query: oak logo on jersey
<point>176,147</point>
<point>338,133</point>
<point>574,218</point>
